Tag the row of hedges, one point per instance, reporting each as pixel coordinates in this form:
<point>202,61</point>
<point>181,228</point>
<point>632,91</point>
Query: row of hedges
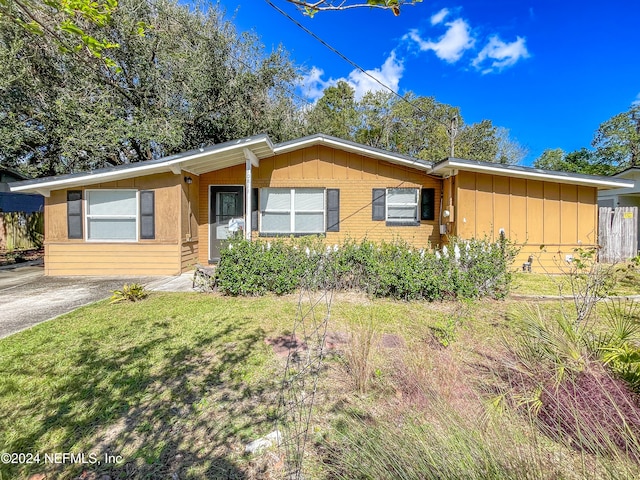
<point>464,269</point>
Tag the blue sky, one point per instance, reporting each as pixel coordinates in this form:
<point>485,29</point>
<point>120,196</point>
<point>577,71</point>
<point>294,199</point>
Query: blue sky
<point>550,72</point>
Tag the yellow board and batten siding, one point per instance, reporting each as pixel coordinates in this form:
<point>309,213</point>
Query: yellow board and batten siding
<point>163,255</point>
<point>190,244</point>
<point>323,167</point>
<point>532,213</point>
<point>546,219</point>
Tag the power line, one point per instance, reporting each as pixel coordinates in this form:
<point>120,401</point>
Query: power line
<point>450,131</point>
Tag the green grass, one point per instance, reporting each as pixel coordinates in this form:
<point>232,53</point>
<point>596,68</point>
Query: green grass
<point>179,383</point>
<point>177,373</point>
<point>626,281</point>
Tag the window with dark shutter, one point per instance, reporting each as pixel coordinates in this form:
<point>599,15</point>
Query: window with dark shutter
<point>74,214</point>
<point>402,206</point>
<point>297,211</point>
<point>333,210</point>
<point>147,215</point>
<point>378,204</point>
<point>427,204</point>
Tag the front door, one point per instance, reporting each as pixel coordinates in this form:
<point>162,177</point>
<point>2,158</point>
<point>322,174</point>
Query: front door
<point>225,202</point>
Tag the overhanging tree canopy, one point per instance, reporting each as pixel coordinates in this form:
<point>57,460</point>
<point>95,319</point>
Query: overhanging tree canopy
<point>65,22</point>
<point>190,81</point>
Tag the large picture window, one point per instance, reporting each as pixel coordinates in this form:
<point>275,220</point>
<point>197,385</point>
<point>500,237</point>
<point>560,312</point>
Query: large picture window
<point>112,215</point>
<point>292,210</point>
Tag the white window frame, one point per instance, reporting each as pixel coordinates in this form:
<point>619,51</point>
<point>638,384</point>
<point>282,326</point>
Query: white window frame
<point>292,211</point>
<point>87,216</point>
<point>388,204</point>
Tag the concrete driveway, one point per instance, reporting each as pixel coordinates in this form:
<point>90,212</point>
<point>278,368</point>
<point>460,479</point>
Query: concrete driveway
<point>27,297</point>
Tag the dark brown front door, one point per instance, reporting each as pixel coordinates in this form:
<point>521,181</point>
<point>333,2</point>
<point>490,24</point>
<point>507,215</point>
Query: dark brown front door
<point>225,202</point>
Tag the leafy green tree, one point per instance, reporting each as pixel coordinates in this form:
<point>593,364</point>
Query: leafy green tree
<point>65,22</point>
<point>551,159</point>
<point>585,161</point>
<point>374,111</point>
<point>477,142</point>
<point>617,141</point>
<point>190,81</point>
<point>421,127</point>
<point>580,161</point>
<point>335,112</point>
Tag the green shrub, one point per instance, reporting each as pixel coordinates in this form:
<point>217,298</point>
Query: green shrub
<point>132,292</point>
<point>465,269</point>
<point>619,346</point>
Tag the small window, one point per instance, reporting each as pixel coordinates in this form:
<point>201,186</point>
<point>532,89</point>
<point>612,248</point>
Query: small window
<point>112,215</point>
<point>292,210</point>
<point>428,204</point>
<point>402,206</point>
<point>74,214</point>
<point>378,204</point>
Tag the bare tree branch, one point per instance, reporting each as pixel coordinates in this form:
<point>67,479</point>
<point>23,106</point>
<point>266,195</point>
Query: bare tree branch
<point>311,8</point>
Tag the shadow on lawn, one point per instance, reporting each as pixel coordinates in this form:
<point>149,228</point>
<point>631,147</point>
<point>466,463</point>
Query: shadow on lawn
<point>172,409</point>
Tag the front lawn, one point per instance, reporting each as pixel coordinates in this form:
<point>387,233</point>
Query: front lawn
<point>176,385</point>
<point>624,281</point>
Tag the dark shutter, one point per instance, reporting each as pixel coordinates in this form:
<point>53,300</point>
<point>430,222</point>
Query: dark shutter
<point>254,209</point>
<point>333,210</point>
<point>147,215</point>
<point>74,213</point>
<point>378,203</point>
<point>428,204</point>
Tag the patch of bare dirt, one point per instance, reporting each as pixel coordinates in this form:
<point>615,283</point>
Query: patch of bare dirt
<point>391,341</point>
<point>283,344</point>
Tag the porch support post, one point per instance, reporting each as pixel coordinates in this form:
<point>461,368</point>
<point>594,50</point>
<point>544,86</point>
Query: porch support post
<point>250,160</point>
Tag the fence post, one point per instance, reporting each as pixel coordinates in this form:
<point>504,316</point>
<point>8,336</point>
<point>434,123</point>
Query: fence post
<point>20,230</point>
<point>617,234</point>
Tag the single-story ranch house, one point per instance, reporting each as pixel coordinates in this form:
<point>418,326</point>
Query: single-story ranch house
<point>163,216</point>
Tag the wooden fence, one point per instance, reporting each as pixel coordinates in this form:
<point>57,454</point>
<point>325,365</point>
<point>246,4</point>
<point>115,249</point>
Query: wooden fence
<point>21,231</point>
<point>617,234</point>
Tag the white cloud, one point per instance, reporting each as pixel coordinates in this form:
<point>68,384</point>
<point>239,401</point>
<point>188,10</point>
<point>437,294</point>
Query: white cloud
<point>497,54</point>
<point>459,38</point>
<point>450,46</point>
<point>636,102</point>
<point>312,84</point>
<point>389,74</point>
<point>439,17</point>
